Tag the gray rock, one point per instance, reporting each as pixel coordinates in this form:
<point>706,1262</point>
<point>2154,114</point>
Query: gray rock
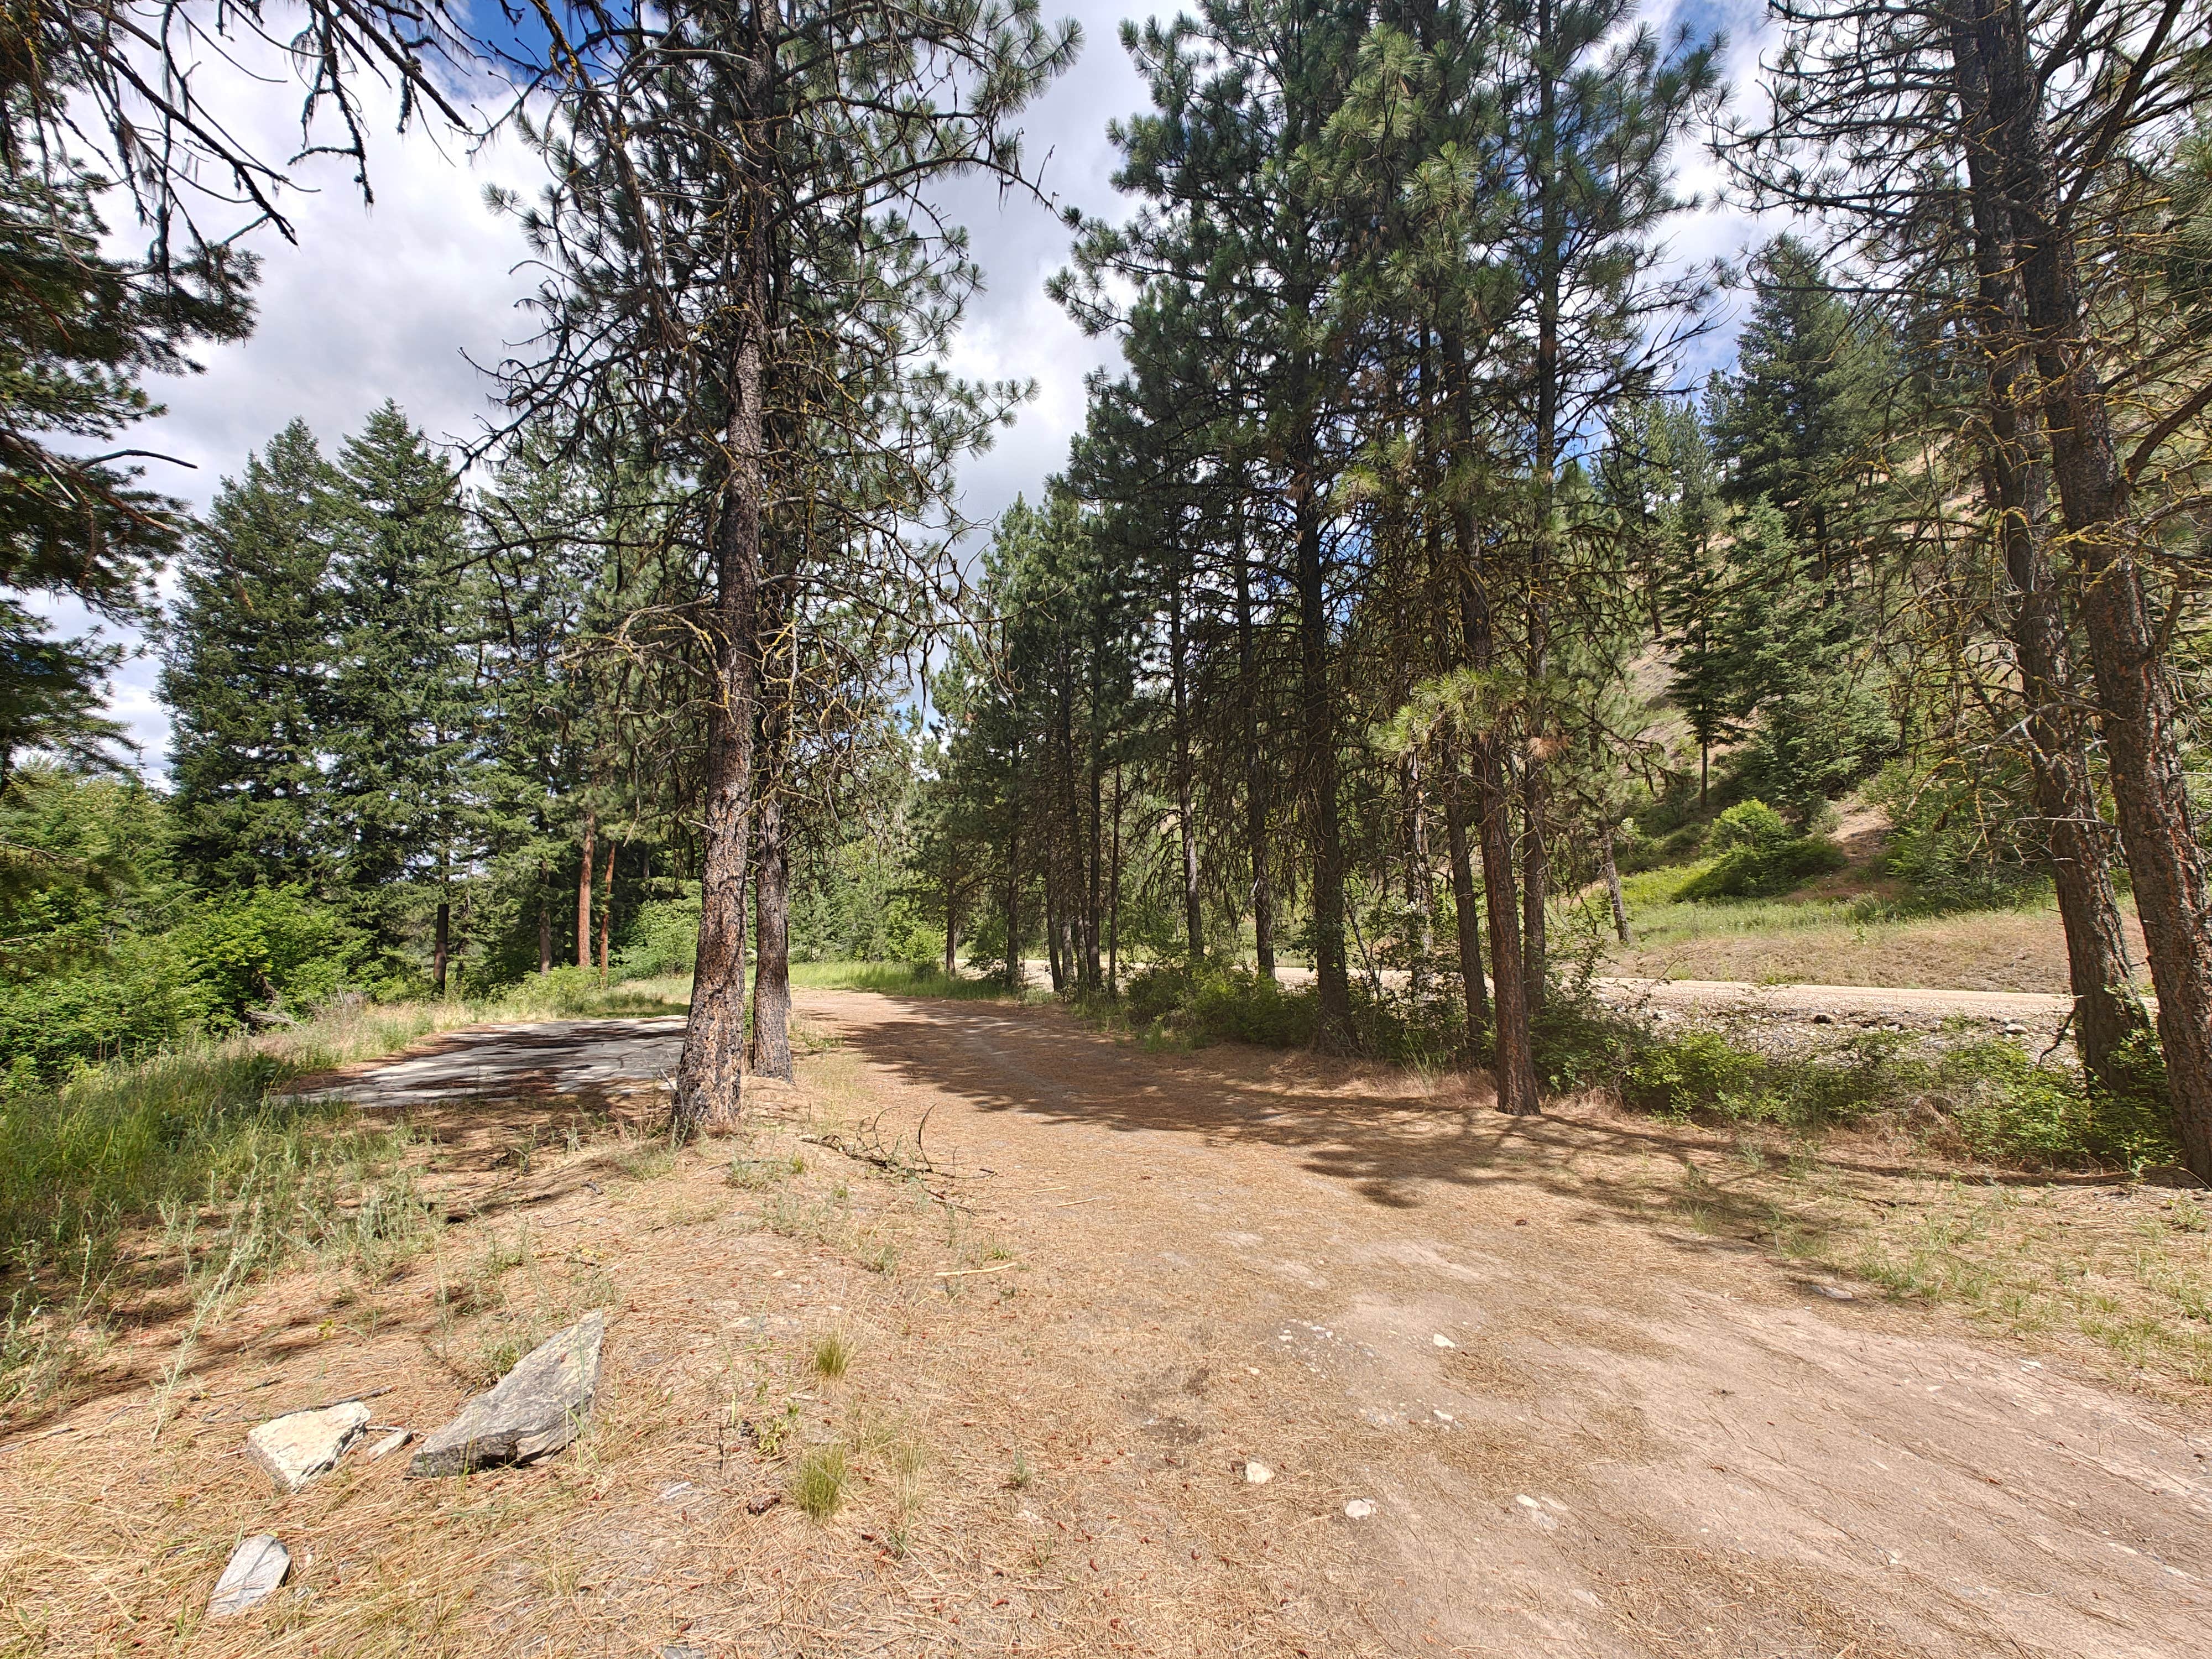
<point>256,1567</point>
<point>682,1651</point>
<point>293,1450</point>
<point>537,1407</point>
<point>391,1443</point>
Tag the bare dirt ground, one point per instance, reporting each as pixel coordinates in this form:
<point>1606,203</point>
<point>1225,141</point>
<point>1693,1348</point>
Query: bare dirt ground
<point>1509,1393</point>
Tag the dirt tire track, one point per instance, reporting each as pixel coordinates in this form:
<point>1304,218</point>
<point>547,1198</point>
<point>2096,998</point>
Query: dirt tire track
<point>1642,1441</point>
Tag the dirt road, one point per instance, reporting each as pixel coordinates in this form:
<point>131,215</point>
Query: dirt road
<point>1230,1354</point>
<point>1584,1430</point>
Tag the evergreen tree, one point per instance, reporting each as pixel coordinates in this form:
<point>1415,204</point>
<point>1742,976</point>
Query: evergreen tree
<point>404,703</point>
<point>1796,424</point>
<point>246,674</point>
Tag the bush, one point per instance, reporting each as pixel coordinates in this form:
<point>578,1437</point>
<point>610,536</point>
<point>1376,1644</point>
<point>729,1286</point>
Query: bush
<point>1212,1003</point>
<point>265,947</point>
<point>1987,1099</point>
<point>1760,855</point>
<point>663,940</point>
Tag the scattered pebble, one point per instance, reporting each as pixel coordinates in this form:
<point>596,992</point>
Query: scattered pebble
<point>391,1443</point>
<point>1258,1474</point>
<point>1443,1416</point>
<point>1359,1509</point>
<point>1442,1341</point>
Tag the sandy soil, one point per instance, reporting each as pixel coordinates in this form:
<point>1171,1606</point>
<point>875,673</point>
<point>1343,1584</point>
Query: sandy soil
<point>1584,1427</point>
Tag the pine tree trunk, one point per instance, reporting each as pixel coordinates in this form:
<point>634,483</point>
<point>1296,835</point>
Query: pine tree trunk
<point>584,892</point>
<point>1417,873</point>
<point>710,1076</point>
<point>606,915</point>
<point>1187,826</point>
<point>952,924</point>
<point>1513,1058</point>
<point>1093,923</point>
<point>2137,713</point>
<point>1332,971</point>
<point>1014,874</point>
<point>1113,898</point>
<point>2107,1015</point>
<point>438,948</point>
<point>1513,1061</point>
<point>545,937</point>
<point>1473,981</point>
<point>1612,886</point>
<point>1256,842</point>
<point>770,1051</point>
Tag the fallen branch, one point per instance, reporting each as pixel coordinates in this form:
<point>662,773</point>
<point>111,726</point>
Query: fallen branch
<point>963,1273</point>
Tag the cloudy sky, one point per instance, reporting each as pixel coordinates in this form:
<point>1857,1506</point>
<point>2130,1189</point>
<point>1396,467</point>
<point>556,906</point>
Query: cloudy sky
<point>397,300</point>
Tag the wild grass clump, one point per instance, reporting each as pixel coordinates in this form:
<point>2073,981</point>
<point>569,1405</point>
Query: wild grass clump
<point>578,993</point>
<point>833,1355</point>
<point>818,1485</point>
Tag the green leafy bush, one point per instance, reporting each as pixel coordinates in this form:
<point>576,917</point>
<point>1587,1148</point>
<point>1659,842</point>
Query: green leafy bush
<point>1760,855</point>
<point>265,947</point>
<point>1212,1003</point>
<point>1987,1099</point>
<point>664,938</point>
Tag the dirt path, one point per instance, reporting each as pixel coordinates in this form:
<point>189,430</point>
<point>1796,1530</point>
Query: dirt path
<point>1508,1395</point>
<point>1584,1430</point>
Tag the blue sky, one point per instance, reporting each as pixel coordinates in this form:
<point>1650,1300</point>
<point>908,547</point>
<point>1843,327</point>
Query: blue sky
<point>395,300</point>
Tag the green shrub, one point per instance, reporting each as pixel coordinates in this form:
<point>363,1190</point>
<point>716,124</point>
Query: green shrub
<point>265,947</point>
<point>1989,1100</point>
<point>663,940</point>
<point>1760,855</point>
<point>1214,1003</point>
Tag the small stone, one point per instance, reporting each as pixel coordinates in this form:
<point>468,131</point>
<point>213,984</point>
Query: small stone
<point>1833,1293</point>
<point>293,1450</point>
<point>762,1502</point>
<point>1258,1474</point>
<point>537,1407</point>
<point>256,1567</point>
<point>391,1443</point>
<point>677,1491</point>
<point>1824,1019</point>
<point>1444,1342</point>
<point>682,1651</point>
<point>1359,1509</point>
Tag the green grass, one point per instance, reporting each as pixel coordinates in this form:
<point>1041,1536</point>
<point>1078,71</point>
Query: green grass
<point>577,994</point>
<point>910,979</point>
<point>818,1487</point>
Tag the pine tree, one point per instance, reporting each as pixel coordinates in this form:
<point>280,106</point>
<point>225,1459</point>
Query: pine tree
<point>246,674</point>
<point>404,704</point>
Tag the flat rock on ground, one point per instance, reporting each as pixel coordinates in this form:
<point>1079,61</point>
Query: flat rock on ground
<point>256,1567</point>
<point>537,1407</point>
<point>293,1450</point>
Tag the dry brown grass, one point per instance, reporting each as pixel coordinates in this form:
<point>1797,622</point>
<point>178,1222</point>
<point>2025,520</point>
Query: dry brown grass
<point>1977,951</point>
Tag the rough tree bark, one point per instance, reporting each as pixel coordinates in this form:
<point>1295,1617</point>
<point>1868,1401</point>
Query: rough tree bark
<point>2107,1015</point>
<point>710,1076</point>
<point>584,891</point>
<point>2137,713</point>
<point>1467,914</point>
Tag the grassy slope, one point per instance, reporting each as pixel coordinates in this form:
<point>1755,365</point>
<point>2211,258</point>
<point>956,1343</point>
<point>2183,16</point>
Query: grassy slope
<point>1842,931</point>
